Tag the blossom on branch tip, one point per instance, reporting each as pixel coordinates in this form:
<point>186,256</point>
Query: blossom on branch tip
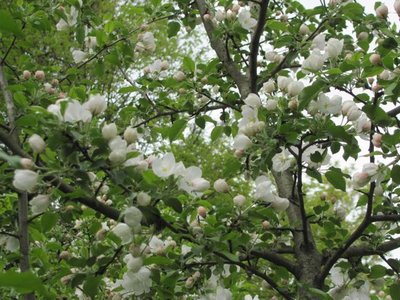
<point>96,104</point>
<point>37,143</point>
<point>25,180</point>
<point>39,204</point>
<point>164,167</point>
<point>245,20</point>
<point>124,232</point>
<point>282,161</point>
<point>75,112</point>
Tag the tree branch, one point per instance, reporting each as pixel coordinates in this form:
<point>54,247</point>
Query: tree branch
<point>9,103</point>
<point>220,49</point>
<point>24,236</point>
<point>255,44</point>
<point>254,271</point>
<point>277,260</point>
<point>356,251</point>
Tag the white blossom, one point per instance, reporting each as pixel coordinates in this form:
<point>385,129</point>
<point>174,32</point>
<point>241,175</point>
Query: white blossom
<point>282,161</point>
<point>271,104</point>
<point>164,167</point>
<point>133,263</point>
<point>148,41</point>
<point>96,104</point>
<point>78,55</point>
<point>253,100</point>
<point>314,62</point>
<point>143,199</point>
<point>239,200</point>
<point>191,180</point>
<point>124,232</point>
<point>39,204</point>
<point>334,47</point>
<point>283,82</point>
<point>318,42</point>
<point>294,88</point>
<point>269,86</point>
<point>75,112</point>
<point>37,143</point>
<point>25,180</point>
<point>109,131</point>
<point>132,217</point>
<point>221,186</point>
<point>245,20</point>
<point>241,142</point>
<point>156,245</point>
<point>328,105</point>
<point>138,283</point>
<point>90,42</point>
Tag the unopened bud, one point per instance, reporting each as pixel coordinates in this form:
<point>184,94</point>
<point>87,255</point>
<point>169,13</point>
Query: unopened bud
<point>26,74</point>
<point>202,211</point>
<point>39,75</point>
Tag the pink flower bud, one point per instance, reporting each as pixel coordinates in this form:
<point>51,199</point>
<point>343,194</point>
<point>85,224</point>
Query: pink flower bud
<point>202,211</point>
<point>293,104</point>
<point>39,75</point>
<point>207,17</point>
<point>26,74</point>
<point>397,7</point>
<point>221,186</point>
<point>265,225</point>
<point>26,163</point>
<point>375,59</point>
<point>377,140</point>
<point>54,82</point>
<point>382,11</point>
<point>362,36</point>
<point>65,255</point>
<point>376,88</point>
<point>361,178</point>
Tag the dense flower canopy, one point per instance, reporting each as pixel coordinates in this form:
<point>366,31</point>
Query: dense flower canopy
<point>199,149</point>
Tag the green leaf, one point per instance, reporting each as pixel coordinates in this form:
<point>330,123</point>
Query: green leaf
<point>201,122</point>
<point>188,64</point>
<point>91,286</point>
<point>216,133</point>
<point>48,220</point>
<point>377,271</point>
<point>157,260</point>
<point>174,203</point>
<point>395,174</point>
<point>395,291</point>
<point>8,24</point>
<point>309,93</point>
<point>23,282</point>
<point>315,174</point>
<point>377,114</point>
<point>390,43</point>
<point>176,129</point>
<point>173,29</point>
<point>127,89</point>
<point>353,11</point>
<point>336,178</point>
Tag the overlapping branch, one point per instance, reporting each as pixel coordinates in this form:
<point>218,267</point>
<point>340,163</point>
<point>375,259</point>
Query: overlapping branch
<point>255,44</point>
<point>222,53</point>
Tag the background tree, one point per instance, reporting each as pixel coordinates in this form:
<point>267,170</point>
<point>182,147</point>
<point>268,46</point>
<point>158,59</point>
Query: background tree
<point>198,150</point>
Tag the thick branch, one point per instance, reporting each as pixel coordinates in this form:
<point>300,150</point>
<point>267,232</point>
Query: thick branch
<point>9,102</point>
<point>254,271</point>
<point>255,44</point>
<point>276,259</point>
<point>394,112</point>
<point>356,251</point>
<point>24,236</point>
<point>221,51</point>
